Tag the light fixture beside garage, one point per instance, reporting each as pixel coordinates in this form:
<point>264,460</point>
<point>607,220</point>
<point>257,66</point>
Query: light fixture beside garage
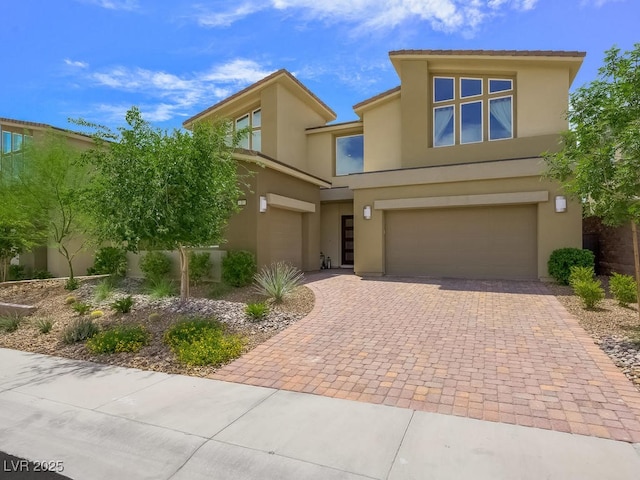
<point>242,202</point>
<point>263,204</point>
<point>561,204</point>
<point>367,212</point>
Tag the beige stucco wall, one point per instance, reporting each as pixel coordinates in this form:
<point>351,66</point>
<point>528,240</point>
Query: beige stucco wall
<point>382,137</point>
<point>331,228</point>
<point>57,263</point>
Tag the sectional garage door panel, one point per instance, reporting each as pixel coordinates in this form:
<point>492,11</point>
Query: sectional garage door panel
<point>477,242</point>
<point>285,236</point>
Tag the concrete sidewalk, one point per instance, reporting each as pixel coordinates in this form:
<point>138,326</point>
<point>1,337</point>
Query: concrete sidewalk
<point>110,422</point>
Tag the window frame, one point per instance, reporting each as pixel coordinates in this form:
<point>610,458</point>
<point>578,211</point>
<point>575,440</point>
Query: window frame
<point>498,92</point>
<point>433,97</point>
<point>453,120</point>
<point>475,100</point>
<point>489,118</point>
<point>461,78</point>
<point>250,138</point>
<point>335,145</point>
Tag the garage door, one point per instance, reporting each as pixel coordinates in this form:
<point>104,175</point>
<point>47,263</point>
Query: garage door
<point>478,242</point>
<point>285,236</point>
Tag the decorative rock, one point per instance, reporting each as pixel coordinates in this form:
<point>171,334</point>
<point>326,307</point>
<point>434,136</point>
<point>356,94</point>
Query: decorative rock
<point>15,309</point>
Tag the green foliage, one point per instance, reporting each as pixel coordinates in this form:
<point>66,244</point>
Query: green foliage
<point>238,268</point>
<point>71,284</point>
<point>278,280</point>
<point>16,272</point>
<point>103,290</point>
<point>219,290</point>
<point>561,261</point>
<point>590,291</point>
<point>109,261</point>
<point>257,311</point>
<point>44,325</point>
<point>155,265</point>
<point>123,305</point>
<point>162,288</point>
<point>203,342</point>
<point>19,226</point>
<point>79,330</point>
<point>579,274</point>
<point>623,288</point>
<point>42,274</point>
<point>81,308</point>
<point>10,323</point>
<point>119,339</point>
<point>199,266</point>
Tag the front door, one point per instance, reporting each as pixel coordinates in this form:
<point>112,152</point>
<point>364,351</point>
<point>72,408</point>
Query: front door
<point>347,240</point>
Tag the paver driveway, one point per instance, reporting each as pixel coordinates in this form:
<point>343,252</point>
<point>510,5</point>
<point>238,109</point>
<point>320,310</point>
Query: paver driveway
<point>493,350</point>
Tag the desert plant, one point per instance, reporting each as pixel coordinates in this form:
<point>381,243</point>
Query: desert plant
<point>71,284</point>
<point>155,266</point>
<point>96,314</point>
<point>257,311</point>
<point>238,268</point>
<point>590,291</point>
<point>103,290</point>
<point>80,307</point>
<point>277,280</point>
<point>561,261</point>
<point>119,339</point>
<point>202,341</point>
<point>123,305</point>
<point>199,266</point>
<point>623,288</point>
<point>79,330</point>
<point>162,288</point>
<point>17,272</point>
<point>10,323</point>
<point>109,261</point>
<point>44,325</point>
<point>42,274</point>
<point>579,274</point>
<point>154,317</point>
<point>70,299</point>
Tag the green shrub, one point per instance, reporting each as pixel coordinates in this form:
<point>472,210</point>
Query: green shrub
<point>278,280</point>
<point>203,342</point>
<point>79,330</point>
<point>119,339</point>
<point>71,284</point>
<point>590,291</point>
<point>80,307</point>
<point>238,268</point>
<point>109,261</point>
<point>154,317</point>
<point>70,299</point>
<point>257,311</point>
<point>162,288</point>
<point>16,272</point>
<point>579,274</point>
<point>44,325</point>
<point>155,266</point>
<point>10,323</point>
<point>103,290</point>
<point>561,261</point>
<point>123,305</point>
<point>623,288</point>
<point>42,274</point>
<point>199,266</point>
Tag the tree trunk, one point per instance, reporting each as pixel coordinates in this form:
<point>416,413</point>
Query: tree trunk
<point>636,261</point>
<point>184,273</point>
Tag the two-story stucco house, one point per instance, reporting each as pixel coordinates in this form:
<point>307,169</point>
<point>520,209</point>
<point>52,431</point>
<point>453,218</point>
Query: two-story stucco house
<point>440,176</point>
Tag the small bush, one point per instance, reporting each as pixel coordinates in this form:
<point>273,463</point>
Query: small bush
<point>71,284</point>
<point>257,311</point>
<point>219,290</point>
<point>44,325</point>
<point>96,314</point>
<point>123,305</point>
<point>238,268</point>
<point>278,280</point>
<point>623,288</point>
<point>162,288</point>
<point>203,342</point>
<point>109,261</point>
<point>79,330</point>
<point>579,274</point>
<point>155,266</point>
<point>70,299</point>
<point>10,323</point>
<point>103,290</point>
<point>42,274</point>
<point>16,272</point>
<point>119,339</point>
<point>561,261</point>
<point>199,266</point>
<point>80,307</point>
<point>154,317</point>
<point>590,291</point>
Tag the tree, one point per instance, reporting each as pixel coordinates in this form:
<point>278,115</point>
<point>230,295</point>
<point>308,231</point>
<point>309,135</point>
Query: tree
<point>164,190</point>
<point>599,162</point>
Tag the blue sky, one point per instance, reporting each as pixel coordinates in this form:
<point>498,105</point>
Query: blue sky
<point>173,58</point>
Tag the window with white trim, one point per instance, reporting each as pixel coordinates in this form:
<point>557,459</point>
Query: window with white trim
<point>253,121</point>
<point>349,154</point>
<point>471,109</point>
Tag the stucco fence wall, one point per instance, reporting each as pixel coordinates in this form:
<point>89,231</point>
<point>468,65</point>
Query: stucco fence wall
<point>216,255</point>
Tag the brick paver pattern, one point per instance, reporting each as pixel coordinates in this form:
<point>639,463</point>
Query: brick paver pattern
<point>493,350</point>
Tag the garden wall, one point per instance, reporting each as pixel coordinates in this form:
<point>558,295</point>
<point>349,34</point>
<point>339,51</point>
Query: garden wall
<point>613,246</point>
<point>133,260</point>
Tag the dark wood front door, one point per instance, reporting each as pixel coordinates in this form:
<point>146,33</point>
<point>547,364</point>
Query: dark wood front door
<point>347,240</point>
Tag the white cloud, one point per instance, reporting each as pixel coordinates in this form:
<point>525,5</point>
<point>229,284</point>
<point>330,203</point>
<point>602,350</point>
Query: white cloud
<point>76,63</point>
<point>224,19</point>
<point>598,3</point>
<point>114,4</point>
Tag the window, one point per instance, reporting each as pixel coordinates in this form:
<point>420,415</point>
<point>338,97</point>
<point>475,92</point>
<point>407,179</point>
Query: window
<point>471,110</point>
<point>253,121</point>
<point>349,154</point>
<point>6,142</point>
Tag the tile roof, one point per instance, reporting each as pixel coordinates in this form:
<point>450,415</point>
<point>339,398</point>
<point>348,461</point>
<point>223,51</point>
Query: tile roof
<point>504,53</point>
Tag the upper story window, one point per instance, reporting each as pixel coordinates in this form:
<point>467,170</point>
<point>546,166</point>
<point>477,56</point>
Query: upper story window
<point>349,154</point>
<point>252,120</point>
<point>472,109</point>
<point>12,151</point>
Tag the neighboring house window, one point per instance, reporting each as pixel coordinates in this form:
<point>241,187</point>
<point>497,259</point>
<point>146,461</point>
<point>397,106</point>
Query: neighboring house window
<point>12,151</point>
<point>349,154</point>
<point>471,109</point>
<point>252,120</point>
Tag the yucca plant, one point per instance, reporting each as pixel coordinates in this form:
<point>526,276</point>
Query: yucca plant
<point>44,325</point>
<point>10,323</point>
<point>277,280</point>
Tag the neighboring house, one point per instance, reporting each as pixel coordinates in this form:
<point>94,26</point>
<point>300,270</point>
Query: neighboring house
<point>440,176</point>
<point>14,134</point>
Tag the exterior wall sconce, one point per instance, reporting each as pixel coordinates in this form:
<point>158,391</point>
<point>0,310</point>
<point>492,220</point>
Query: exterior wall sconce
<point>367,212</point>
<point>561,204</point>
<point>242,202</point>
<point>263,204</point>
